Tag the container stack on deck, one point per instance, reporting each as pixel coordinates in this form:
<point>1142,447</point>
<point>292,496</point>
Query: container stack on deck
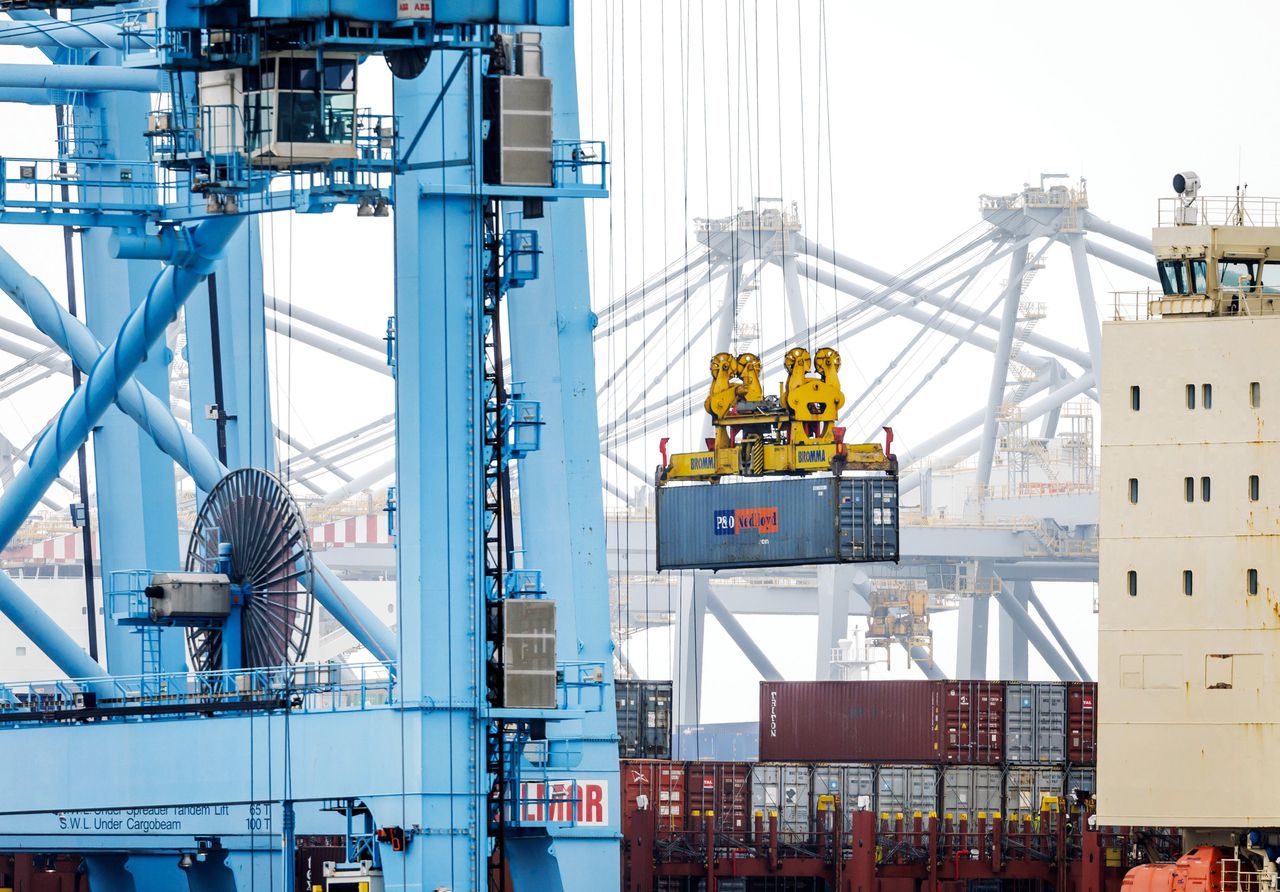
<point>879,786</point>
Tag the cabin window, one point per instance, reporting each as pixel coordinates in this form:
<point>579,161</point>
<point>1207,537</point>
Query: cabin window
<point>1135,397</point>
<point>1173,277</point>
<point>1271,278</point>
<point>1251,581</point>
<point>1199,277</point>
<point>1186,583</point>
<point>1133,490</point>
<point>1253,487</point>
<point>1189,487</point>
<point>1133,583</point>
<point>1237,275</point>
<point>1191,396</point>
<point>1206,396</point>
<point>1204,489</point>
<point>1255,394</point>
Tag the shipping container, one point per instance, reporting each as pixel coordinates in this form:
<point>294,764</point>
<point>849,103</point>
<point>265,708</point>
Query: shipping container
<point>960,722</point>
<point>906,789</point>
<point>974,722</point>
<point>970,790</point>
<point>1026,789</point>
<point>657,785</point>
<point>1083,779</point>
<point>644,719</point>
<point>850,721</point>
<point>722,789</point>
<point>777,523</point>
<point>1082,723</point>
<point>786,791</point>
<point>718,742</point>
<point>1035,723</point>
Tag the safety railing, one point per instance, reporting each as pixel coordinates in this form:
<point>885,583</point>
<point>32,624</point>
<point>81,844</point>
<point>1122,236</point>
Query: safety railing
<point>1220,210</point>
<point>308,687</point>
<point>1131,306</point>
<point>578,164</point>
<point>581,686</point>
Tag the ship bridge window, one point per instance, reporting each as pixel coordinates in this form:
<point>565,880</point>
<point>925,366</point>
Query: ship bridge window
<point>1271,278</point>
<point>1237,274</point>
<point>1173,277</point>
<point>1199,276</point>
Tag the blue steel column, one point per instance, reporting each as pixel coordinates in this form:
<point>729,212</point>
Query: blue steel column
<point>562,513</point>
<point>134,485</point>
<point>439,304</point>
<point>242,342</point>
<point>1000,369</point>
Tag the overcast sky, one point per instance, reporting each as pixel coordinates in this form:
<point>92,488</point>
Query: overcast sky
<point>884,122</point>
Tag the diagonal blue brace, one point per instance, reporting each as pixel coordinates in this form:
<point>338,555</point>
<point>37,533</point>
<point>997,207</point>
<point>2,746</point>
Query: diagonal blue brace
<point>80,77</point>
<point>71,427</point>
<point>73,336</point>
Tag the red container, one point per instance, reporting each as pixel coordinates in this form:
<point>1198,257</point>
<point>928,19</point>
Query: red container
<point>934,722</point>
<point>722,788</point>
<point>1082,723</point>
<point>851,721</point>
<point>973,722</point>
<point>657,785</point>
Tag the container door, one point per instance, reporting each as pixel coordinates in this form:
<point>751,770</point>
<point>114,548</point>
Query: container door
<point>1051,733</point>
<point>1020,723</point>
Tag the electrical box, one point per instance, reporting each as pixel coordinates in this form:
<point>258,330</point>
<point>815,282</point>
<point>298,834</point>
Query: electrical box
<point>528,653</point>
<point>360,877</point>
<point>179,597</point>
<point>518,150</point>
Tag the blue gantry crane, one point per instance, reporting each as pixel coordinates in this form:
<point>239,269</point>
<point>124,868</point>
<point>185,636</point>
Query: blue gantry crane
<point>477,747</point>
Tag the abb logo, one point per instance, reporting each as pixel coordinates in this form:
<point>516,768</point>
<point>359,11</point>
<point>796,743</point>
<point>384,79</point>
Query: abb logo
<point>581,802</point>
<point>414,9</point>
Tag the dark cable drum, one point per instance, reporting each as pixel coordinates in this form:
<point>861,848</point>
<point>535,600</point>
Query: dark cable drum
<point>777,523</point>
<point>253,512</point>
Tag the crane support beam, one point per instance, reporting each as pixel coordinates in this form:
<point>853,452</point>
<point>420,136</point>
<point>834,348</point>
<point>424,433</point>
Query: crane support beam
<point>741,637</point>
<point>1000,368</point>
<point>92,78</point>
<point>282,325</point>
<point>37,29</point>
<point>1015,611</point>
<point>1147,269</point>
<point>1094,223</point>
<point>934,298</point>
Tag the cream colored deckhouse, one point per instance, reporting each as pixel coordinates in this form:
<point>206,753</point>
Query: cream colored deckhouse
<point>1189,624</point>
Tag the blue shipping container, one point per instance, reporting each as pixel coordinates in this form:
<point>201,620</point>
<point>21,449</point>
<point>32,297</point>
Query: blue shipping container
<point>777,523</point>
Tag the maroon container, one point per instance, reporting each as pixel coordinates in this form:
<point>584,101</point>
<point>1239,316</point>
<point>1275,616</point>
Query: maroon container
<point>1082,723</point>
<point>721,788</point>
<point>656,785</point>
<point>973,722</point>
<point>851,721</point>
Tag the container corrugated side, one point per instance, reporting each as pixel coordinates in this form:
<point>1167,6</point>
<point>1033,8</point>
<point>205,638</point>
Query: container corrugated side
<point>971,790</point>
<point>851,721</point>
<point>906,789</point>
<point>719,742</point>
<point>1083,779</point>
<point>1025,789</point>
<point>644,718</point>
<point>974,722</point>
<point>722,789</point>
<point>777,523</point>
<point>656,785</point>
<point>784,790</point>
<point>1082,723</point>
<point>1035,723</point>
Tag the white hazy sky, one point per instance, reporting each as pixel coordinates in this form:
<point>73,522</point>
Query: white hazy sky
<point>882,121</point>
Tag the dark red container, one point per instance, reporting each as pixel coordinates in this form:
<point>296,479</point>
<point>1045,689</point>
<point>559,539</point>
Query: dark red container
<point>959,722</point>
<point>656,785</point>
<point>850,721</point>
<point>722,789</point>
<point>1082,723</point>
<point>973,722</point>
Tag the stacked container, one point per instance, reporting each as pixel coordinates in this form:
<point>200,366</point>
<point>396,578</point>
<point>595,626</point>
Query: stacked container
<point>1035,729</point>
<point>968,790</point>
<point>644,719</point>
<point>1082,723</point>
<point>721,790</point>
<point>656,785</point>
